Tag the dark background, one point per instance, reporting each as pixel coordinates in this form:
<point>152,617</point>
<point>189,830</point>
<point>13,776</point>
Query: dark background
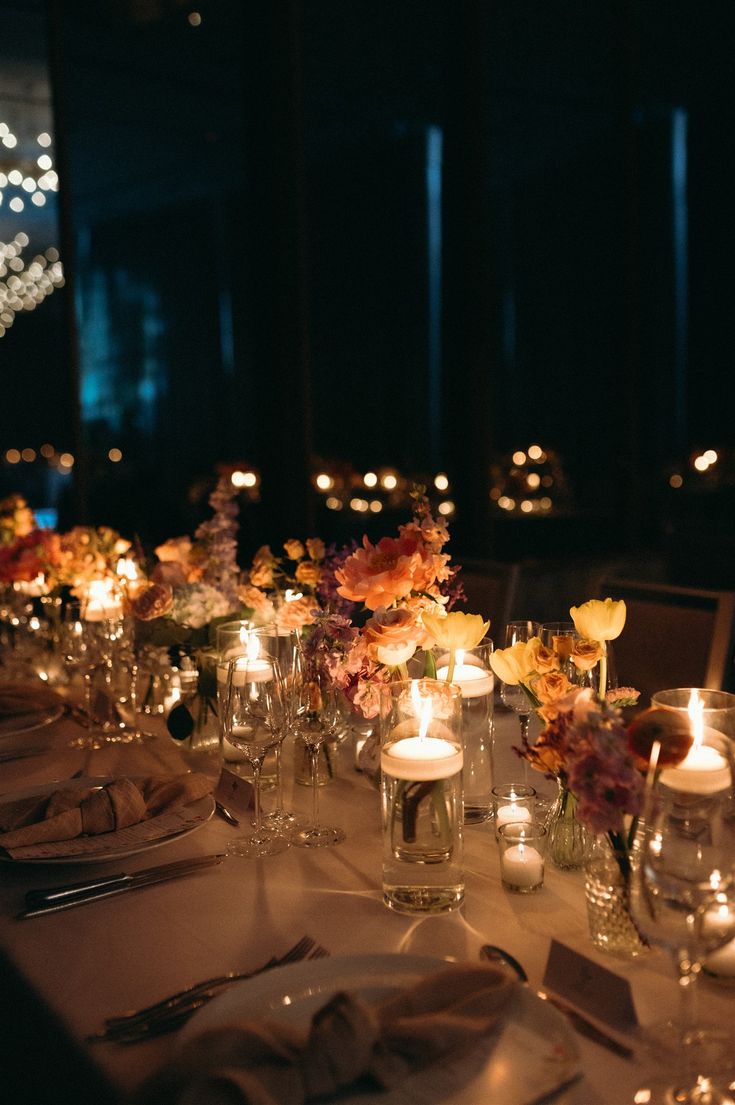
<point>344,235</point>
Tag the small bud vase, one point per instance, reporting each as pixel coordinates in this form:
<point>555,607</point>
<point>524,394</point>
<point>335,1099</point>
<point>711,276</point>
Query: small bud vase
<point>567,837</point>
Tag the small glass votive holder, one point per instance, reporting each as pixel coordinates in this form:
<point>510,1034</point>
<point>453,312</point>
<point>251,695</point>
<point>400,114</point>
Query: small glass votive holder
<point>522,849</point>
<point>513,802</point>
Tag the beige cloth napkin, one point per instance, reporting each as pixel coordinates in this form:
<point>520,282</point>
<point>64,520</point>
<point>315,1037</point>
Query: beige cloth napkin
<point>82,811</point>
<point>349,1041</point>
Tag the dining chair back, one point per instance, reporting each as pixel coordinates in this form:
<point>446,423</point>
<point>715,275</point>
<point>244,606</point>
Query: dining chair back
<point>673,637</point>
<point>491,587</point>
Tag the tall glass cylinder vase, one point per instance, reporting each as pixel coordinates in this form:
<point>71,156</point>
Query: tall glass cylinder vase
<point>421,796</point>
<point>472,673</point>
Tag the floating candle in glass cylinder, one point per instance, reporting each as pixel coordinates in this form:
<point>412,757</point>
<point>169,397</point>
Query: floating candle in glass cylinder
<point>101,601</point>
<point>521,856</point>
<point>421,790</point>
<point>475,679</point>
<point>704,770</point>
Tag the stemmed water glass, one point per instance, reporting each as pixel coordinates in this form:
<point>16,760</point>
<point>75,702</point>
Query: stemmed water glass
<point>315,718</point>
<point>254,721</point>
<point>683,899</point>
<point>79,642</point>
<point>513,695</point>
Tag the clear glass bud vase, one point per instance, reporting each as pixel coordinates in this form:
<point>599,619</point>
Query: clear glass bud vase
<point>607,893</point>
<point>567,837</point>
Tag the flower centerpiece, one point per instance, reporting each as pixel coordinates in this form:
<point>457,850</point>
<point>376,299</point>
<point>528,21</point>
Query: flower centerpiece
<point>382,607</point>
<point>284,590</point>
<point>548,676</point>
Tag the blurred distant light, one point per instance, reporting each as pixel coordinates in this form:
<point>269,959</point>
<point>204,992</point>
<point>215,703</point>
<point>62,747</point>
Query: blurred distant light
<point>446,507</point>
<point>533,480</point>
<point>28,455</point>
<point>546,503</point>
<point>195,19</point>
<point>324,481</point>
<point>29,184</point>
<point>505,503</point>
<point>519,457</point>
<point>441,481</point>
<point>15,177</point>
<point>360,505</point>
<point>389,481</point>
<point>710,456</point>
<point>47,450</point>
<point>495,493</point>
<point>114,455</point>
<point>44,139</point>
<point>676,480</point>
<point>44,161</point>
<point>66,460</point>
<point>38,198</point>
<point>535,452</point>
<point>376,506</point>
<point>333,503</point>
<point>526,506</point>
<point>547,481</point>
<point>16,204</point>
<point>10,141</point>
<point>370,479</point>
<point>13,456</point>
<point>701,463</point>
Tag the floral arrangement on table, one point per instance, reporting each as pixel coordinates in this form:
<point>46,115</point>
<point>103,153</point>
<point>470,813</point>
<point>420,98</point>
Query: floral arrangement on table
<point>544,674</point>
<point>195,583</point>
<point>383,603</point>
<point>16,519</point>
<point>285,590</point>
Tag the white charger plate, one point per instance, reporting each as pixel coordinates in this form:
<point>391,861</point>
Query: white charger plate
<point>534,1053</point>
<point>104,847</point>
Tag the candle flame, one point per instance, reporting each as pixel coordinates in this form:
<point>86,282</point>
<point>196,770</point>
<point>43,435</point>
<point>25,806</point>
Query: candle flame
<point>696,718</point>
<point>422,705</point>
<point>126,568</point>
<point>253,646</point>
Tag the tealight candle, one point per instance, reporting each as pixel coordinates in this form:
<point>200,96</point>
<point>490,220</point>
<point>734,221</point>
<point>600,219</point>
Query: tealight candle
<point>704,769</point>
<point>512,813</point>
<point>521,858</point>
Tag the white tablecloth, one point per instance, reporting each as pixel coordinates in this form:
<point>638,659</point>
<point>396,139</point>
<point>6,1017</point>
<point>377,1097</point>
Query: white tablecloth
<point>117,954</point>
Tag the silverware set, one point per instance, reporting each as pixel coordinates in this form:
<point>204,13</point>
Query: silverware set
<point>173,1011</point>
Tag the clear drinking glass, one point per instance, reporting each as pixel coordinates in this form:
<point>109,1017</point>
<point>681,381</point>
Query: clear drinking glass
<point>79,643</point>
<point>683,899</point>
<point>254,721</point>
<point>314,717</point>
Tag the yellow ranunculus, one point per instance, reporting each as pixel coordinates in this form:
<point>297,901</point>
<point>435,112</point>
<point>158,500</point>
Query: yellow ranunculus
<point>456,630</point>
<point>513,665</point>
<point>599,620</point>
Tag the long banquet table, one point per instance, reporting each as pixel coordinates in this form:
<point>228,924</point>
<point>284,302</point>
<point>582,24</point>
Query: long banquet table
<point>66,972</point>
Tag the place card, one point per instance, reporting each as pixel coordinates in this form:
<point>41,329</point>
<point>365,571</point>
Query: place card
<point>594,989</point>
<point>234,791</point>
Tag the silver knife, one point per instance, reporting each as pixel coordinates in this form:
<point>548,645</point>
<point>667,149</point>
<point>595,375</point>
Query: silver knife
<point>63,897</point>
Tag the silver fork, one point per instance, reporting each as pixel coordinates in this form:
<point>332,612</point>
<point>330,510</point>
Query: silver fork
<point>171,1012</point>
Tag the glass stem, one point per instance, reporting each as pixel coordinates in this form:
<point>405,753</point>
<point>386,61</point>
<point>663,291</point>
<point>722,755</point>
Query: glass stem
<point>688,977</point>
<point>524,720</point>
<point>257,766</point>
<point>87,682</point>
<point>134,699</point>
<point>314,758</point>
<point>279,781</point>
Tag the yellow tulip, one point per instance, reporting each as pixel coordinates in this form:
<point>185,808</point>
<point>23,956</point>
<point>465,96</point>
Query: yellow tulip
<point>514,665</point>
<point>457,630</point>
<point>599,620</point>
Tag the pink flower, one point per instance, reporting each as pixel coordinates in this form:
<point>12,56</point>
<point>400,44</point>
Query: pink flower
<point>393,636</point>
<point>294,615</point>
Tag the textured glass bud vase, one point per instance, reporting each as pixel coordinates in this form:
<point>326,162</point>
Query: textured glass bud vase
<point>567,837</point>
<point>607,891</point>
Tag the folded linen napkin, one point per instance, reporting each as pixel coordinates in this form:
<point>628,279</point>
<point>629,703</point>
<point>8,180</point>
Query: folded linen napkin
<point>349,1042</point>
<point>82,811</point>
<point>17,700</point>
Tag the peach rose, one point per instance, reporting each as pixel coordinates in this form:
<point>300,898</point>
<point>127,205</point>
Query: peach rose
<point>392,636</point>
<point>153,602</point>
<point>315,548</point>
<point>177,549</point>
<point>294,615</point>
<point>308,573</point>
<point>294,549</point>
<point>546,757</point>
<point>261,573</point>
<point>586,654</point>
<point>378,575</point>
<point>544,659</point>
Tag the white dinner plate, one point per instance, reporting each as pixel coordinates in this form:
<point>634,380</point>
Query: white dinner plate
<point>42,707</point>
<point>534,1053</point>
<point>102,847</point>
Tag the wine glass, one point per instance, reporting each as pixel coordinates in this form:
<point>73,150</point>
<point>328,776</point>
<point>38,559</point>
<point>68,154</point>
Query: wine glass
<point>513,695</point>
<point>283,646</point>
<point>254,722</point>
<point>315,717</point>
<point>683,899</point>
<point>79,643</point>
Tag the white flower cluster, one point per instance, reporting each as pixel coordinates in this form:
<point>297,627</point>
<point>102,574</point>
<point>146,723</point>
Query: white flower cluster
<point>197,604</point>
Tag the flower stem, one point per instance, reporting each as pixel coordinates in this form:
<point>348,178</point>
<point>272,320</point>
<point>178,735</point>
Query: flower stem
<point>452,662</point>
<point>603,671</point>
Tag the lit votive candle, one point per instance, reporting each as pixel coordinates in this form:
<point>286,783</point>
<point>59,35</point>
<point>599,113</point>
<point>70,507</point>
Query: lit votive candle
<point>513,813</point>
<point>704,770</point>
<point>521,856</point>
<point>420,758</point>
<point>472,679</point>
